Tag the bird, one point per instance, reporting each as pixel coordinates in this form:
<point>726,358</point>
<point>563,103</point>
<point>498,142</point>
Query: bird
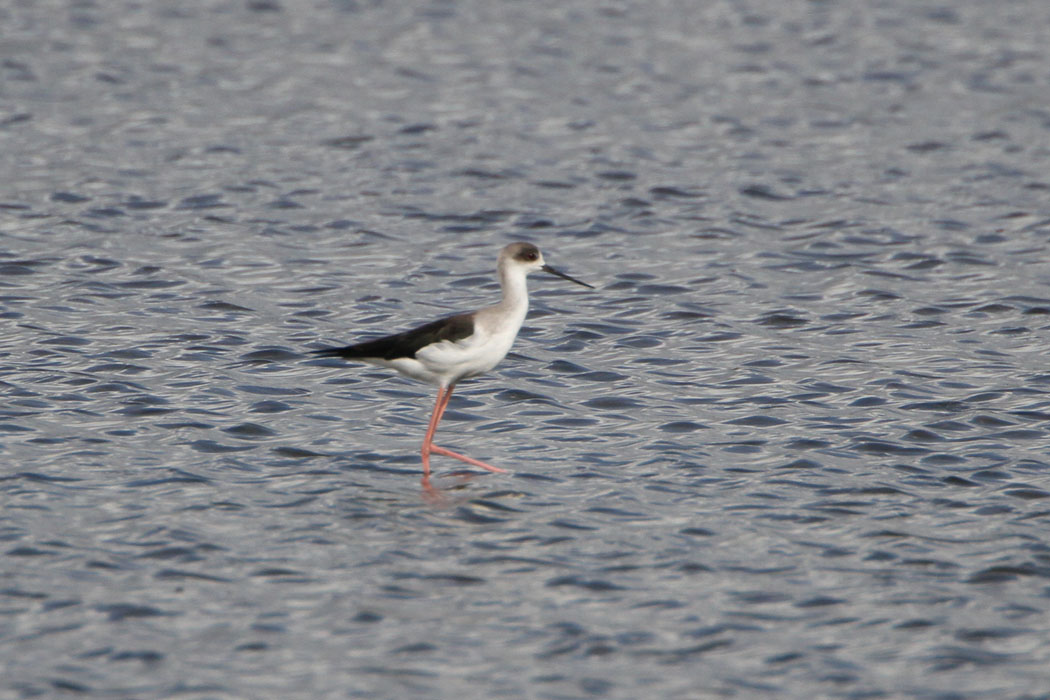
<point>451,349</point>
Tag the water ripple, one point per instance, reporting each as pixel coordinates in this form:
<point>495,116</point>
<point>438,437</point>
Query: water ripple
<point>792,444</point>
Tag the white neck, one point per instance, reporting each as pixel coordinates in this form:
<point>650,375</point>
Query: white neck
<point>515,293</point>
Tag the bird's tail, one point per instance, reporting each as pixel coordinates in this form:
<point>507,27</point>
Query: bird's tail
<point>349,352</point>
<point>330,352</point>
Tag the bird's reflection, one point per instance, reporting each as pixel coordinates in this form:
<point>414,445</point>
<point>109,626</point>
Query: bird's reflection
<point>440,491</point>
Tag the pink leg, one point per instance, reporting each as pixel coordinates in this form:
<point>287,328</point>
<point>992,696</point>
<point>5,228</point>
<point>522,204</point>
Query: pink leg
<point>428,442</point>
<point>468,460</point>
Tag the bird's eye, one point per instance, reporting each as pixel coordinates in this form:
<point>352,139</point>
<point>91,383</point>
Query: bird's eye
<point>531,256</point>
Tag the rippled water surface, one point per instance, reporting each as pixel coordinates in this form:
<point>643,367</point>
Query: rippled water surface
<point>794,445</point>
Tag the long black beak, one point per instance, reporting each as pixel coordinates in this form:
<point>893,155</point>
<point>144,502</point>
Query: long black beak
<point>548,268</point>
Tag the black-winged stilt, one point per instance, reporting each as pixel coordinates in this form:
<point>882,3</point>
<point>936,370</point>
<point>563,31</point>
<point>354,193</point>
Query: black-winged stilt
<point>450,349</point>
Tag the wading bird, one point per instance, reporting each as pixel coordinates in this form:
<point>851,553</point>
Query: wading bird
<point>458,347</point>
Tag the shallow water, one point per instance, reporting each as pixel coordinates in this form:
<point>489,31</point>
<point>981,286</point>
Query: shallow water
<point>795,444</point>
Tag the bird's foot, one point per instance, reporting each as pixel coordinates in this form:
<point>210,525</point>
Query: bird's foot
<point>462,458</point>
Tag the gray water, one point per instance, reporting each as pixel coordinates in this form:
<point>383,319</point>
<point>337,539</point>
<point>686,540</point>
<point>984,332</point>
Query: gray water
<point>794,445</point>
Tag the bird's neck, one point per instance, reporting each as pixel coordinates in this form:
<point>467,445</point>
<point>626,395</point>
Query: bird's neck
<point>515,294</point>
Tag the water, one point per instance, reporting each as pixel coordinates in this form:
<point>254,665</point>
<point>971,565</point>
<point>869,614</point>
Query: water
<point>795,445</point>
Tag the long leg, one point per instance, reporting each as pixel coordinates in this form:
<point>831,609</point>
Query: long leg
<point>464,458</point>
<point>428,442</point>
<point>441,408</point>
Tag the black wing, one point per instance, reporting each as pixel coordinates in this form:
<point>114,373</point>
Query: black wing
<point>406,344</point>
